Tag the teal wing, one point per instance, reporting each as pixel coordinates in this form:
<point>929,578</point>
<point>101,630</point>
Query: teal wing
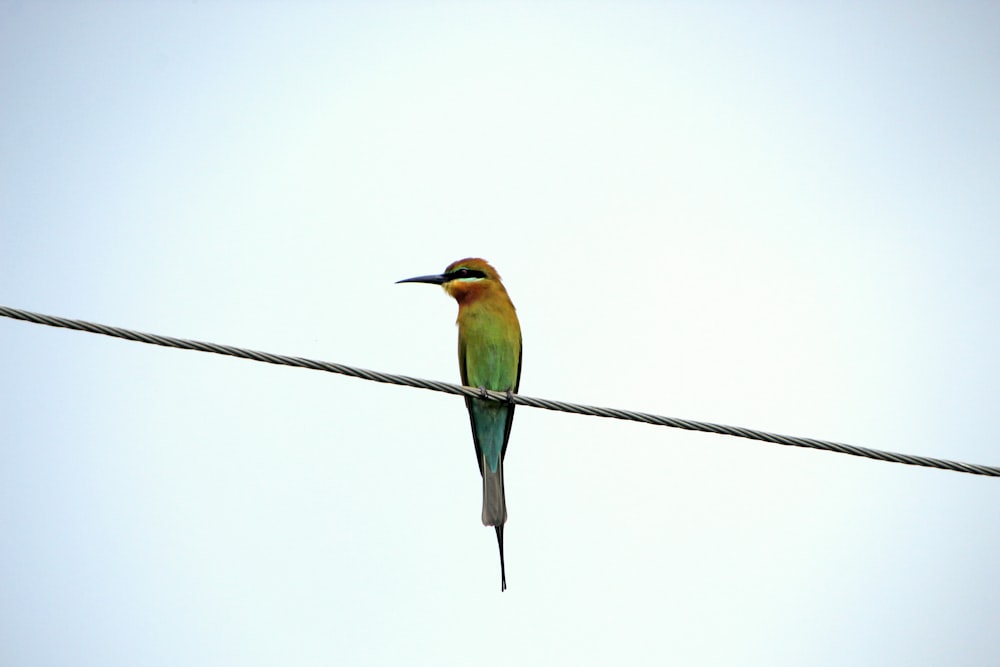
<point>484,365</point>
<point>510,412</point>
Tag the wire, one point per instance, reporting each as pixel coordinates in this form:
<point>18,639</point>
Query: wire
<point>517,399</point>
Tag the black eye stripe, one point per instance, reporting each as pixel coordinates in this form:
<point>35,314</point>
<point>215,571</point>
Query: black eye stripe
<point>464,273</point>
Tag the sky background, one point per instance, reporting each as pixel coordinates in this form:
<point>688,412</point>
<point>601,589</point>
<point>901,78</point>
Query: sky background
<point>783,216</point>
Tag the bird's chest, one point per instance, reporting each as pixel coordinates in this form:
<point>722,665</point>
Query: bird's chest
<point>488,353</point>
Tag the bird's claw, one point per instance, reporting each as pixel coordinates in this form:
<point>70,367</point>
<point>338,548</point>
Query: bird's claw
<point>486,394</point>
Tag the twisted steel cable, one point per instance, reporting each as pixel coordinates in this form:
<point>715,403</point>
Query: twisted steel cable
<point>517,399</point>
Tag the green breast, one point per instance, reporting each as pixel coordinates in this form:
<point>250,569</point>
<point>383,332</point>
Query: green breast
<point>490,350</point>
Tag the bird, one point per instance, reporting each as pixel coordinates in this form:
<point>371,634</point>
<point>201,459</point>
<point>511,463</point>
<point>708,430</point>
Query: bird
<point>489,357</point>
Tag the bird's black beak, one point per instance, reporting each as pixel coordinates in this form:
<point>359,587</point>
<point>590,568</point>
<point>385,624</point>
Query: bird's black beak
<point>433,280</point>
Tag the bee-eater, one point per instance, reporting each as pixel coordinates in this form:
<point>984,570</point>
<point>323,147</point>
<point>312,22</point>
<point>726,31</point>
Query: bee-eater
<point>489,356</point>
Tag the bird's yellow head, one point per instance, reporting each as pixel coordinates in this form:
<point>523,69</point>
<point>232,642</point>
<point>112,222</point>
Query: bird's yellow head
<point>466,279</point>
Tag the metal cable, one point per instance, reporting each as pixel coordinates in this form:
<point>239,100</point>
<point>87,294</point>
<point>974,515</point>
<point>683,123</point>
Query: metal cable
<point>517,399</point>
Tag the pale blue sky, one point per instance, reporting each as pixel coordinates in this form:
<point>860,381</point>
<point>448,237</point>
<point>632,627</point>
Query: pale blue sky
<point>777,215</point>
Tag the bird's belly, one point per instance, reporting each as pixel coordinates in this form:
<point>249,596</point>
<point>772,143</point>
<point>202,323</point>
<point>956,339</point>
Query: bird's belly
<point>491,365</point>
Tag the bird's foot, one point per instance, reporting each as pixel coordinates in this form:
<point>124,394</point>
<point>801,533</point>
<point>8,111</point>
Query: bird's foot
<point>510,396</point>
<point>482,392</point>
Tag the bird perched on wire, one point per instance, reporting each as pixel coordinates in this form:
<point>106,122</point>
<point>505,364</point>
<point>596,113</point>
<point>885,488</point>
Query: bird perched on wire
<point>489,357</point>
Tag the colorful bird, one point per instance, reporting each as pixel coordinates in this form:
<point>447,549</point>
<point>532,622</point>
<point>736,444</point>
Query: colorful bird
<point>489,357</point>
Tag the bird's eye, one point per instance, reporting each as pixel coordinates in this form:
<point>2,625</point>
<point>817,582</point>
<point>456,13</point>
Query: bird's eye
<point>465,274</point>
